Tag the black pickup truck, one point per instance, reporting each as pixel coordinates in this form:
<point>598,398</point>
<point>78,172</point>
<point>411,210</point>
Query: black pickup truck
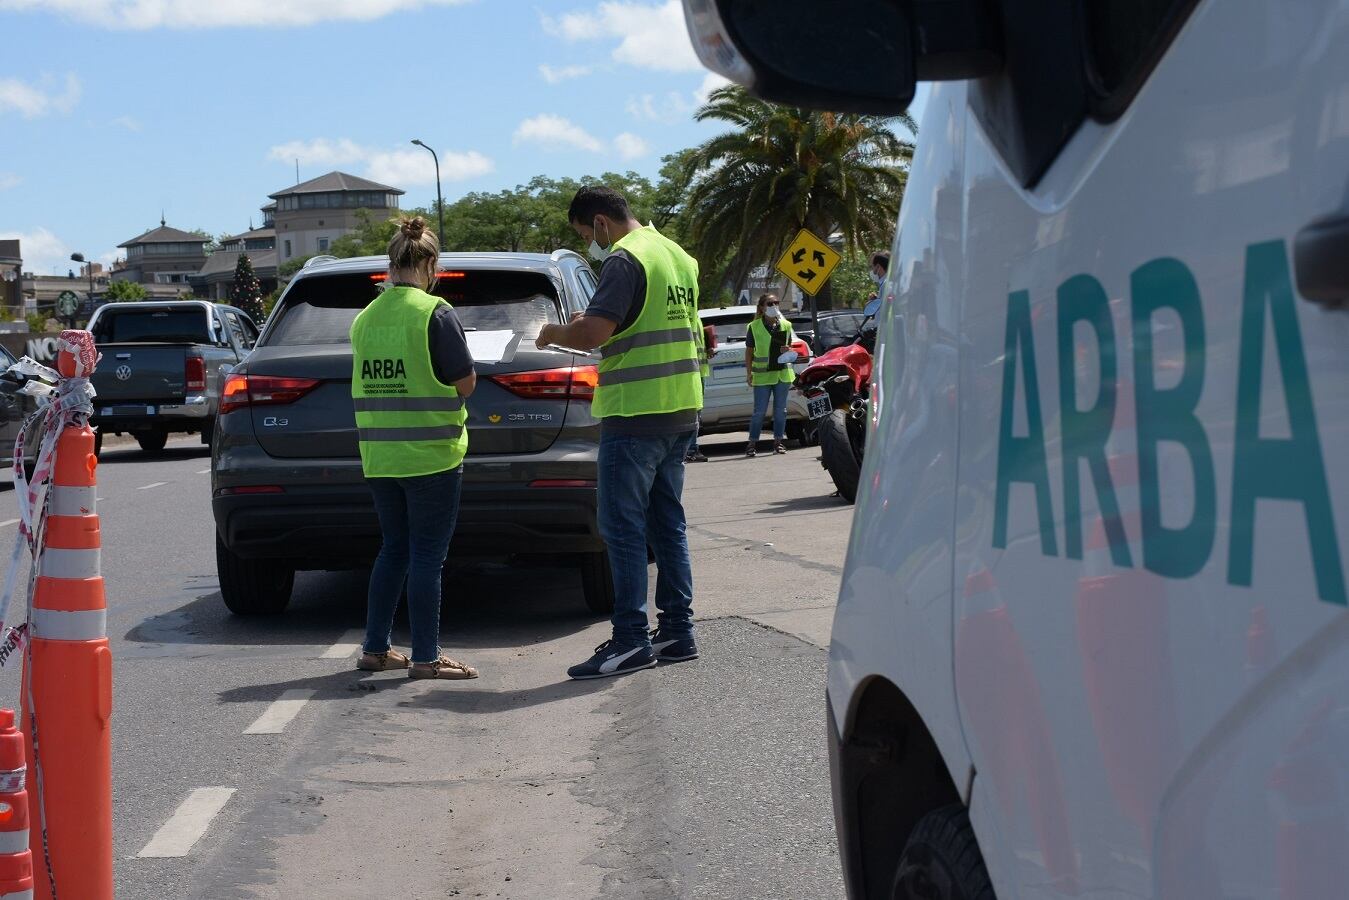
<point>161,371</point>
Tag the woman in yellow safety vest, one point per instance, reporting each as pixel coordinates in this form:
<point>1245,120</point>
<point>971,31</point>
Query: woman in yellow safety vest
<point>411,375</point>
<point>769,337</point>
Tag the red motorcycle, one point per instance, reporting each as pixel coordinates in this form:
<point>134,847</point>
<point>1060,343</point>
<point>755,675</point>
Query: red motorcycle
<point>836,387</point>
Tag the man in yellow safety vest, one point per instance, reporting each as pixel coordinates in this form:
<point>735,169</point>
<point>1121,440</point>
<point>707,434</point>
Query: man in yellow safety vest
<point>644,319</point>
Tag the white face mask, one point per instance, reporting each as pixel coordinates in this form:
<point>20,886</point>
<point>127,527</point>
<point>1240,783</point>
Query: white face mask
<point>771,312</point>
<point>879,279</point>
<point>598,253</point>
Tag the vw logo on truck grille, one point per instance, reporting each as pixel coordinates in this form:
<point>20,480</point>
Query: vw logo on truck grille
<point>123,373</point>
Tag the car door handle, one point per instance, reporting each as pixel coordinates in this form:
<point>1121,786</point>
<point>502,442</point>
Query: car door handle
<point>1321,260</point>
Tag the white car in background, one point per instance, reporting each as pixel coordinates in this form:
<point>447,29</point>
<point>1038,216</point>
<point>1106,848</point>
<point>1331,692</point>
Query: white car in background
<point>728,401</point>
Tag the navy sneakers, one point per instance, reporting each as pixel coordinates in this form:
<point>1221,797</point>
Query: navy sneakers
<point>673,649</point>
<point>613,659</point>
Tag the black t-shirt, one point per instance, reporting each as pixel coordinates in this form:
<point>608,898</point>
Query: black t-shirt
<point>619,298</point>
<point>450,359</point>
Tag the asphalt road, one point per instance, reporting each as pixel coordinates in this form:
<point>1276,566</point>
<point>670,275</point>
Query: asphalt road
<point>252,761</point>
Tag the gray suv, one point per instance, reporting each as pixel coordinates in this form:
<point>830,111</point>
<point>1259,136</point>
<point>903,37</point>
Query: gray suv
<point>286,484</point>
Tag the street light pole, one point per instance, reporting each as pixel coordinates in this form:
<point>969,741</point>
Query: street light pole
<point>440,202</point>
<point>89,268</point>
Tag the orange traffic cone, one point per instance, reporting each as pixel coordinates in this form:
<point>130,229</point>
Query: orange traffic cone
<point>67,691</point>
<point>16,861</point>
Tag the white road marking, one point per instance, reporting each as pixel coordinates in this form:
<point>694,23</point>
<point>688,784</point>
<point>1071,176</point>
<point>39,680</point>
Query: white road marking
<point>9,522</point>
<point>276,717</point>
<point>346,647</point>
<point>187,824</point>
<point>146,487</point>
<point>203,471</point>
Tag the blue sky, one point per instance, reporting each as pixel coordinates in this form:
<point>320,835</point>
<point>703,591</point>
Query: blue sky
<point>113,109</point>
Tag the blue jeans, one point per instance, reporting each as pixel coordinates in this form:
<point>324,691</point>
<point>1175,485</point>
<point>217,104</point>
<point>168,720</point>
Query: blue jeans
<point>641,480</point>
<point>762,392</point>
<point>416,516</point>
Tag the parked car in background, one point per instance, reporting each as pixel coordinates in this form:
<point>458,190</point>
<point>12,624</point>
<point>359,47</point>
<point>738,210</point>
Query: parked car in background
<point>838,327</point>
<point>287,489</point>
<point>163,367</point>
<point>728,401</point>
<point>14,409</point>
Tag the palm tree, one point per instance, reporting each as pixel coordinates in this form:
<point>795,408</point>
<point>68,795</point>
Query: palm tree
<point>781,169</point>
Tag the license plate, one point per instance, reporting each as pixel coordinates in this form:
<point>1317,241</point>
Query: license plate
<point>128,410</point>
<point>819,407</point>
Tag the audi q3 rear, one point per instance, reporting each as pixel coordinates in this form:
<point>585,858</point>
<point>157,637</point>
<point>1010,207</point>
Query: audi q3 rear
<point>287,488</point>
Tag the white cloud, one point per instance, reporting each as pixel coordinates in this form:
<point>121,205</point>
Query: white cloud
<point>400,167</point>
<point>415,167</point>
<point>42,251</point>
<point>557,74</point>
<point>630,146</point>
<point>556,133</point>
<point>9,180</point>
<point>43,98</point>
<point>667,108</point>
<point>127,122</point>
<point>199,14</point>
<point>711,82</point>
<point>319,152</point>
<point>650,36</point>
<point>673,106</point>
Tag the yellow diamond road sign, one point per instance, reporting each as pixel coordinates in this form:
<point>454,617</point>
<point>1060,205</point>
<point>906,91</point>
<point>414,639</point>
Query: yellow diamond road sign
<point>809,262</point>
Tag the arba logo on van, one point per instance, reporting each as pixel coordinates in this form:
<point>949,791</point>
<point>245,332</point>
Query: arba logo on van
<point>1288,468</point>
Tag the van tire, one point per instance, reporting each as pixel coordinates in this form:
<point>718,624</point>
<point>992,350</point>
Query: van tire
<point>152,441</point>
<point>98,442</point>
<point>597,581</point>
<point>942,860</point>
<point>208,432</point>
<point>836,449</point>
<point>252,587</point>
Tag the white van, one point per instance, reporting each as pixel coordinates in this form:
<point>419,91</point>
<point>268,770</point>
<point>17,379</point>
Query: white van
<point>1092,636</point>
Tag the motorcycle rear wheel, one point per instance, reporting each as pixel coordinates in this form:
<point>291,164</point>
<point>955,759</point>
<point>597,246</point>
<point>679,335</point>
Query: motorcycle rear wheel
<point>840,458</point>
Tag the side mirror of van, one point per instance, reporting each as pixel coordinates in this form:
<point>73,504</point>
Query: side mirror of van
<point>863,56</point>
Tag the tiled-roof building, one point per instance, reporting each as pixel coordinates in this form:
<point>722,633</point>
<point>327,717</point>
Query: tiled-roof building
<point>311,215</point>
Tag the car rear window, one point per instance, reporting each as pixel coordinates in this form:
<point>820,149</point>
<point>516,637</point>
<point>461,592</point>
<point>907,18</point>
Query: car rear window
<point>143,326</point>
<point>731,328</point>
<point>320,309</point>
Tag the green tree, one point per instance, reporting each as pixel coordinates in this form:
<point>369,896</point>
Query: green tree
<point>125,291</point>
<point>246,290</point>
<point>781,169</point>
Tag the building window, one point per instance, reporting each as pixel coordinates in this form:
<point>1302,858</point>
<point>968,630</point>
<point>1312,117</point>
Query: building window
<point>287,249</point>
<point>323,245</point>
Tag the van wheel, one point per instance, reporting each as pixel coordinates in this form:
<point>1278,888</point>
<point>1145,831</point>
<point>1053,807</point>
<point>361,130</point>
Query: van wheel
<point>208,432</point>
<point>98,441</point>
<point>942,860</point>
<point>836,448</point>
<point>597,580</point>
<point>252,587</point>
<point>152,441</point>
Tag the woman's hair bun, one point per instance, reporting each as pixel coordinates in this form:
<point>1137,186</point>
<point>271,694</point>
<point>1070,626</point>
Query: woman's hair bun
<point>414,227</point>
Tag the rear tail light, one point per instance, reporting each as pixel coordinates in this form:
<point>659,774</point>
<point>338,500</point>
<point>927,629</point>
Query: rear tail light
<point>567,383</point>
<point>262,390</point>
<point>194,373</point>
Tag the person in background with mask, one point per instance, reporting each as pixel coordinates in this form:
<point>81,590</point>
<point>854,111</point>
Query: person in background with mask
<point>880,264</point>
<point>411,373</point>
<point>644,319</point>
<point>768,338</point>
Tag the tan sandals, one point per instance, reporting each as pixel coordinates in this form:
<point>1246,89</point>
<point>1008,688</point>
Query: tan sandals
<point>390,660</point>
<point>382,662</point>
<point>445,668</point>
